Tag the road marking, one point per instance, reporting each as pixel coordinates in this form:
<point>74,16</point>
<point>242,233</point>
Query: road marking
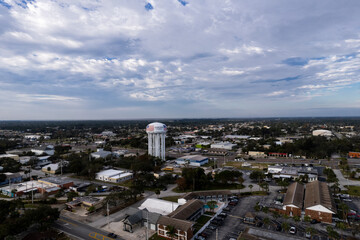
<point>99,236</point>
<point>68,222</point>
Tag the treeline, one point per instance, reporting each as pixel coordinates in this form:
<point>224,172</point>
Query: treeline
<point>14,219</point>
<point>195,179</point>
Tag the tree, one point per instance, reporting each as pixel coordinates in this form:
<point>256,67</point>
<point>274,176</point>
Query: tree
<point>171,231</point>
<point>307,218</point>
<point>266,220</point>
<point>71,195</point>
<point>296,218</point>
<point>251,186</point>
<point>310,230</point>
<point>257,176</point>
<point>344,209</point>
<point>2,177</point>
<point>332,233</point>
<point>285,226</point>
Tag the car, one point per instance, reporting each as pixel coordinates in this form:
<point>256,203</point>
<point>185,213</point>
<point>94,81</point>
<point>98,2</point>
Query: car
<point>227,209</point>
<point>314,221</point>
<point>233,203</point>
<point>292,230</point>
<point>278,228</point>
<point>110,234</point>
<point>222,215</point>
<point>308,235</point>
<point>259,224</point>
<point>211,227</point>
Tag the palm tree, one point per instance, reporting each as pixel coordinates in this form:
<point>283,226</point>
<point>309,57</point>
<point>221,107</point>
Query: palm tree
<point>285,226</point>
<point>171,231</point>
<point>345,209</point>
<point>310,230</point>
<point>250,186</point>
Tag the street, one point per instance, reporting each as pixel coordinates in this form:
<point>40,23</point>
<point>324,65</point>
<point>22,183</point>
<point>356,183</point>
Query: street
<point>79,230</point>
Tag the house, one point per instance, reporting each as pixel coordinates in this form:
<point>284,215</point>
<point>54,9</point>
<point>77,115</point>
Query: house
<point>193,160</point>
<point>183,228</point>
<point>294,200</point>
<point>135,217</point>
<point>159,206</point>
<point>319,203</point>
<point>53,168</point>
<point>112,175</point>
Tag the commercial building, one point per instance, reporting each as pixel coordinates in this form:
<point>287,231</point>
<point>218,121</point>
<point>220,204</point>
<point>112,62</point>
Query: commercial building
<point>137,218</point>
<point>85,202</point>
<point>319,203</point>
<point>193,160</point>
<point>12,156</point>
<point>12,178</point>
<point>156,139</point>
<point>63,183</point>
<point>183,228</point>
<point>223,145</point>
<point>112,175</point>
<point>100,153</point>
<point>354,154</point>
<point>322,132</point>
<point>294,173</point>
<point>256,154</point>
<point>48,150</point>
<point>159,206</point>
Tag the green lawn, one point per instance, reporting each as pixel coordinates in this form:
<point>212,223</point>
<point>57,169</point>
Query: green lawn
<point>201,222</point>
<point>217,186</point>
<point>171,198</point>
<point>352,190</point>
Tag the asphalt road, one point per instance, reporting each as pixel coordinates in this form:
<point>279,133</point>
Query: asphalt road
<point>79,230</point>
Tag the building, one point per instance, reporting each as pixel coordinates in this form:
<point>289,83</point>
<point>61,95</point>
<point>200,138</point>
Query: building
<point>319,203</point>
<point>63,183</point>
<point>100,153</point>
<point>12,178</point>
<point>354,154</point>
<point>293,172</point>
<point>223,145</point>
<point>135,217</point>
<point>44,150</point>
<point>206,196</point>
<point>159,206</point>
<point>12,156</point>
<point>54,168</point>
<point>19,189</point>
<point>256,154</point>
<point>86,202</point>
<point>294,200</point>
<point>322,132</point>
<point>112,175</point>
<point>183,228</point>
<point>156,139</point>
<point>190,211</point>
<point>272,154</point>
<point>193,160</point>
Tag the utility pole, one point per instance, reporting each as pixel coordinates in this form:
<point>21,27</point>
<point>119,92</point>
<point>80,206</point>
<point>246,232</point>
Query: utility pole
<point>32,193</point>
<point>147,225</point>
<point>61,165</point>
<point>217,234</point>
<point>107,210</point>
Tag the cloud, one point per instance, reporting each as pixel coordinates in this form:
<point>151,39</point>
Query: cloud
<point>171,56</point>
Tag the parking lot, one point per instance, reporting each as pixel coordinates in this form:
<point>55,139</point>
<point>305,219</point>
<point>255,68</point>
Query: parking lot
<point>233,224</point>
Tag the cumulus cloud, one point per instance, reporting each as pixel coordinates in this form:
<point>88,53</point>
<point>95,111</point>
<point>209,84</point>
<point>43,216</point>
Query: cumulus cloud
<point>173,56</point>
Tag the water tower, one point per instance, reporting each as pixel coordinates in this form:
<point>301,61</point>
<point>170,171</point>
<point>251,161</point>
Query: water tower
<point>156,139</point>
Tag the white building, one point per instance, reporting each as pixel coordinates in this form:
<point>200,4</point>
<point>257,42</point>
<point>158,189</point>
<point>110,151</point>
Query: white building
<point>112,175</point>
<point>159,206</point>
<point>321,132</point>
<point>13,156</point>
<point>223,145</point>
<point>100,153</point>
<point>48,150</point>
<point>156,139</point>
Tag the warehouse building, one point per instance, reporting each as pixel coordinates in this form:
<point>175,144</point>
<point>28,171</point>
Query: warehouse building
<point>193,160</point>
<point>112,175</point>
<point>294,200</point>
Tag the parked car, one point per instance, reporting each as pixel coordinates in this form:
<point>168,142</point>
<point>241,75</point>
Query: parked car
<point>227,209</point>
<point>222,215</point>
<point>314,221</point>
<point>259,224</point>
<point>278,228</point>
<point>292,230</point>
<point>308,235</point>
<point>211,227</point>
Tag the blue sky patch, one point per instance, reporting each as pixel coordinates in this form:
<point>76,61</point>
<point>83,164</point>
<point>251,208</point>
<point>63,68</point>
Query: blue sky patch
<point>183,2</point>
<point>2,3</point>
<point>149,7</point>
<point>296,61</point>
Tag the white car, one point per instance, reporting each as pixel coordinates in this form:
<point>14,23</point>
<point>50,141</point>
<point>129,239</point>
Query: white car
<point>292,230</point>
<point>308,235</point>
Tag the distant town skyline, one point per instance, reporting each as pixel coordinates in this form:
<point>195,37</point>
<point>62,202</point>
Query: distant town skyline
<point>133,59</point>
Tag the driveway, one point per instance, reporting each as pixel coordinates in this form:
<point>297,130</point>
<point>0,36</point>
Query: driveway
<point>343,181</point>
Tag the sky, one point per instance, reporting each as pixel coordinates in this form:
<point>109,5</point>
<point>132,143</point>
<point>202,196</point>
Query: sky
<point>131,59</point>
